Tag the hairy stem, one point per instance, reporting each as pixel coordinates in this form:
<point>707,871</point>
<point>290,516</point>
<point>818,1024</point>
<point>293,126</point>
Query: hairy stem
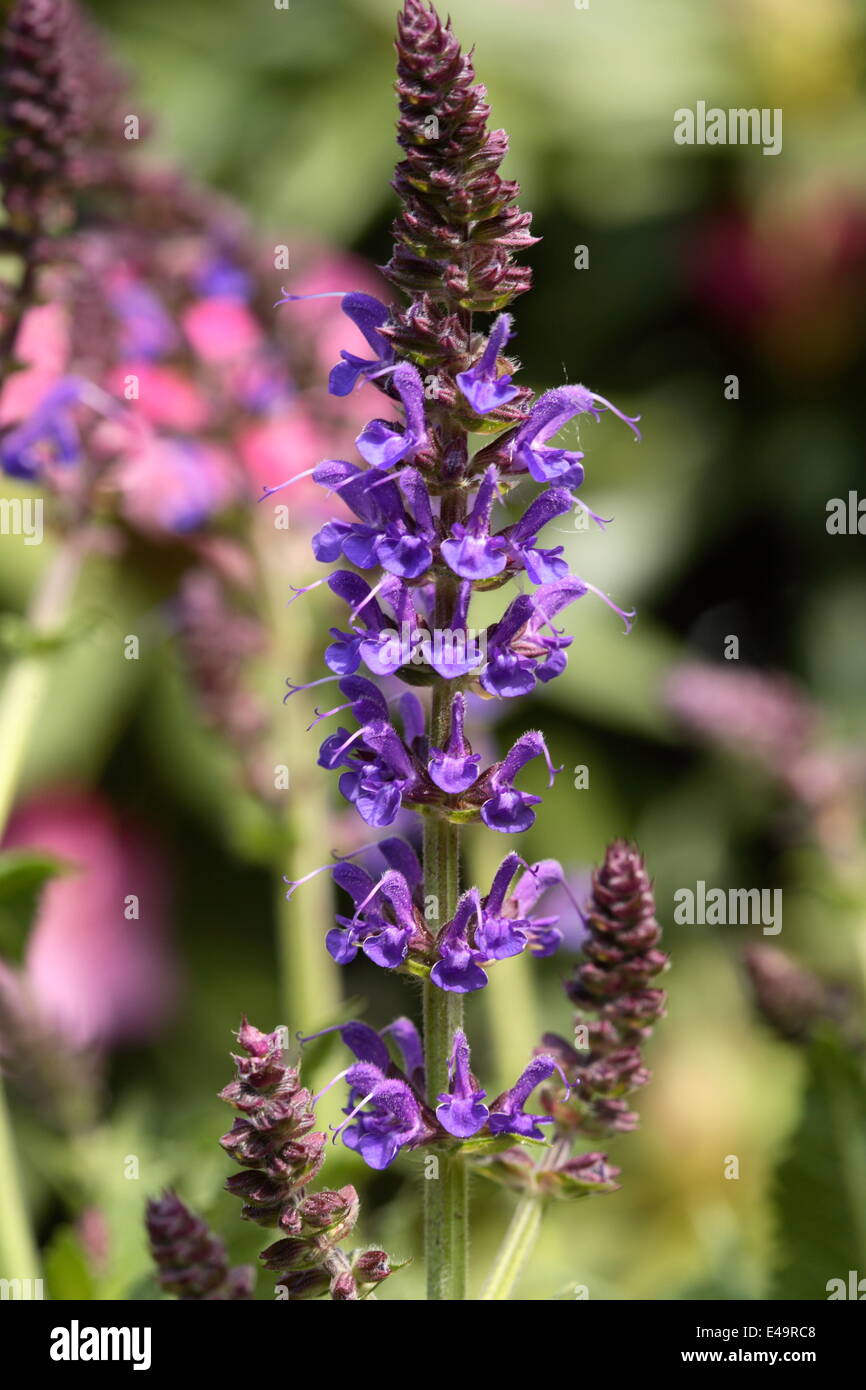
<point>446,1194</point>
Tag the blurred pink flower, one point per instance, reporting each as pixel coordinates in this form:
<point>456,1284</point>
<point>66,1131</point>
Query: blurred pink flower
<point>221,329</point>
<point>278,448</point>
<point>99,973</point>
<point>173,485</point>
<point>165,396</point>
<point>42,345</point>
<point>330,330</point>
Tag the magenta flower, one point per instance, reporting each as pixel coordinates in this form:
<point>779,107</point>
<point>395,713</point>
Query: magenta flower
<point>99,964</point>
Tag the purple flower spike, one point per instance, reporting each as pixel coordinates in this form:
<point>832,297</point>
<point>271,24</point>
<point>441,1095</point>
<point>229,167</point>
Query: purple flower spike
<point>480,385</point>
<point>506,1112</point>
<point>461,1111</point>
<point>379,443</point>
<point>455,769</point>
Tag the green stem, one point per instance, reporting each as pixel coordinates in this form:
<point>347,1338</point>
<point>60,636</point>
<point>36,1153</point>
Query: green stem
<point>523,1231</point>
<point>446,1191</point>
<point>27,677</point>
<point>515,1249</point>
<point>20,700</point>
<point>309,980</point>
<point>19,1257</point>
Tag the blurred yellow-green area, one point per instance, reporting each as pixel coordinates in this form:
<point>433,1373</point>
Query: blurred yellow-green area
<point>719,292</point>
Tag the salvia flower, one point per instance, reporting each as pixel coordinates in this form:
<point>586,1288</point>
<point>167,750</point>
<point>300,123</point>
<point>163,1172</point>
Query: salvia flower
<point>191,1261</point>
<point>793,1000</point>
<point>613,988</point>
<point>387,1113</point>
<point>423,535</point>
<point>388,923</point>
<point>480,384</point>
<point>275,1140</point>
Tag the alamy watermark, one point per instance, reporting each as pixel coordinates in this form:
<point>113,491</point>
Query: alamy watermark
<point>738,125</point>
<point>24,1290</point>
<point>731,907</point>
<point>77,1343</point>
<point>22,516</point>
<point>413,646</point>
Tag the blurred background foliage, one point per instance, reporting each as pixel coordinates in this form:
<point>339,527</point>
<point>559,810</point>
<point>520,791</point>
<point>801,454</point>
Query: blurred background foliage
<point>703,262</point>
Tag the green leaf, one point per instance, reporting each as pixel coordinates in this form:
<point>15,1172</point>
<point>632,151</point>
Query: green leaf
<point>23,873</point>
<point>25,870</point>
<point>820,1187</point>
<point>66,1268</point>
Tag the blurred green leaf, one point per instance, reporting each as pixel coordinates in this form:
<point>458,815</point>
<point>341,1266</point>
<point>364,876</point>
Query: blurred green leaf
<point>23,870</point>
<point>66,1267</point>
<point>821,1183</point>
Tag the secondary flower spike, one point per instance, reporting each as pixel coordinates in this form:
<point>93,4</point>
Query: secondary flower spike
<point>191,1261</point>
<point>275,1140</point>
<point>615,994</point>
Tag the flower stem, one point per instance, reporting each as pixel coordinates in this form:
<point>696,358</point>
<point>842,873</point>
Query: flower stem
<point>309,981</point>
<point>19,1258</point>
<point>522,1233</point>
<point>446,1192</point>
<point>28,675</point>
<point>515,1249</point>
<point>20,700</point>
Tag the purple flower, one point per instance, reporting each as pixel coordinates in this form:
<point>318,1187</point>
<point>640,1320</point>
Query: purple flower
<point>507,927</point>
<point>456,768</point>
<point>381,768</point>
<point>474,553</point>
<point>387,534</point>
<point>370,1046</point>
<point>373,642</point>
<point>507,1115</point>
<point>384,942</point>
<point>541,566</point>
<point>507,809</point>
<point>529,450</point>
<point>379,442</point>
<point>376,788</point>
<point>50,433</point>
<point>460,1111</point>
<point>368,315</point>
<point>458,970</point>
<point>524,646</point>
<point>385,1111</point>
<point>480,385</point>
